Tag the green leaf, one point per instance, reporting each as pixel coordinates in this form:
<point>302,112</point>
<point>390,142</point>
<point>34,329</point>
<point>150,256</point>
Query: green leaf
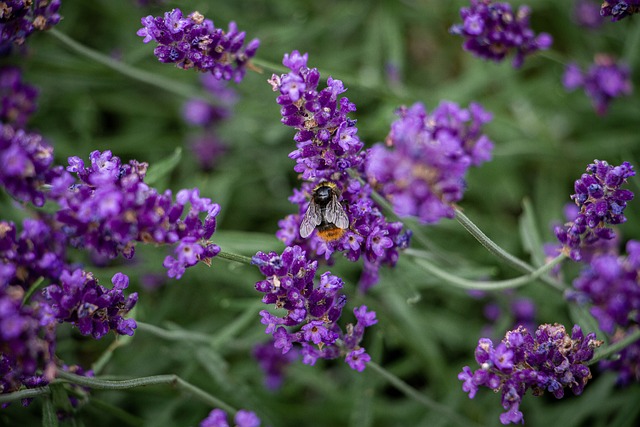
<point>529,234</point>
<point>49,417</point>
<point>163,168</point>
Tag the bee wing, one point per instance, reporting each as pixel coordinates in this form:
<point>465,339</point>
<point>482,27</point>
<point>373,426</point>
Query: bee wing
<point>335,214</point>
<point>312,218</point>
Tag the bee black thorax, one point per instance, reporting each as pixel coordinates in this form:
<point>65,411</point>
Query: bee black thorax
<point>322,195</point>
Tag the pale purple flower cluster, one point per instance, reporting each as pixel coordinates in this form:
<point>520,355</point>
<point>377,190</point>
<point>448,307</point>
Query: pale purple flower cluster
<point>243,418</point>
<point>38,251</point>
<point>601,202</point>
<point>273,363</point>
<point>17,99</point>
<point>206,145</point>
<point>619,9</point>
<point>586,13</point>
<point>549,361</point>
<point>79,299</point>
<point>112,209</point>
<point>312,310</point>
<point>26,161</point>
<point>423,174</point>
<point>194,42</point>
<point>604,81</point>
<point>611,285</point>
<point>20,18</point>
<point>491,30</point>
<point>27,342</point>
<point>327,148</point>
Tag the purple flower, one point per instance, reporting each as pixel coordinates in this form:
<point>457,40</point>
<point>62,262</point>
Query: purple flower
<point>601,202</point>
<point>627,363</point>
<point>21,18</point>
<point>112,209</point>
<point>27,342</point>
<point>423,174</point>
<point>77,298</point>
<point>551,360</point>
<point>620,9</point>
<point>273,361</point>
<point>17,99</point>
<point>27,165</point>
<point>491,30</point>
<point>610,285</point>
<point>328,147</point>
<point>309,312</point>
<point>604,81</point>
<point>586,13</point>
<point>243,418</point>
<point>194,42</point>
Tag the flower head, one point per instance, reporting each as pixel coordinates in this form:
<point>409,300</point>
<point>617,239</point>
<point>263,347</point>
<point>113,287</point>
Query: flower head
<point>550,360</point>
<point>604,81</point>
<point>194,42</point>
<point>619,9</point>
<point>78,299</point>
<point>423,174</point>
<point>17,99</point>
<point>491,30</point>
<point>243,418</point>
<point>601,202</point>
<point>27,165</point>
<point>311,311</point>
<point>21,18</point>
<point>112,208</point>
<point>328,147</point>
<point>27,342</point>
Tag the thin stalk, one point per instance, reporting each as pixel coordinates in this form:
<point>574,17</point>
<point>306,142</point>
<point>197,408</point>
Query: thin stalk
<point>177,335</point>
<point>169,85</point>
<point>616,347</point>
<point>425,401</point>
<point>234,257</point>
<point>496,250</point>
<point>25,394</point>
<point>170,380</point>
<point>486,285</point>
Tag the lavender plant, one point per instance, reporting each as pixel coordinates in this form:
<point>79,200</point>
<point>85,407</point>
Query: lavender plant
<point>339,269</point>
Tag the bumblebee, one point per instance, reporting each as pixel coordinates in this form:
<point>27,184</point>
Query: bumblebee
<point>325,213</point>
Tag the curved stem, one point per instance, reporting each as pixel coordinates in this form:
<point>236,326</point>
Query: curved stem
<point>492,247</point>
<point>234,257</point>
<point>485,285</point>
<point>425,401</point>
<point>25,394</point>
<point>177,335</point>
<point>615,347</point>
<point>170,85</point>
<point>171,380</point>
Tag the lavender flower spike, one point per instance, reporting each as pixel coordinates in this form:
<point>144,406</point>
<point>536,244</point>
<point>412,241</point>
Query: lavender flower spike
<point>423,174</point>
<point>601,202</point>
<point>491,30</point>
<point>620,9</point>
<point>194,42</point>
<point>243,418</point>
<point>551,360</point>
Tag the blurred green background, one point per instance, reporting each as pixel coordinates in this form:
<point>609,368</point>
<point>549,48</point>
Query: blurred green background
<point>544,138</point>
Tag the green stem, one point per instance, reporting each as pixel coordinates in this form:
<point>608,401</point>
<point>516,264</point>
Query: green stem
<point>25,394</point>
<point>34,287</point>
<point>171,380</point>
<point>234,257</point>
<point>170,85</point>
<point>421,398</point>
<point>485,285</point>
<point>496,250</point>
<point>178,335</point>
<point>615,347</point>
